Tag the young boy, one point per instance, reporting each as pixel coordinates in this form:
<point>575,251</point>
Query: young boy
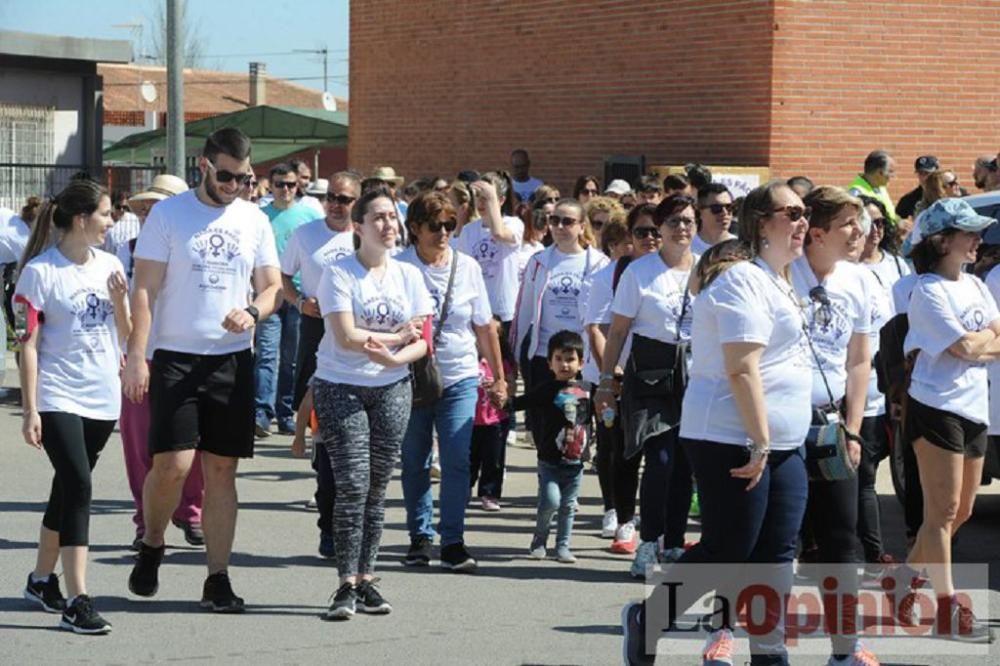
<point>559,411</point>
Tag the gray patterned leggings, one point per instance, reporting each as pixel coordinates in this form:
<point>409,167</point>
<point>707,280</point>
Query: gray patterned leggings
<point>362,428</point>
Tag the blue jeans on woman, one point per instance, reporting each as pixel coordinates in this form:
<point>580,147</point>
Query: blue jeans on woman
<point>758,527</point>
<point>274,366</point>
<point>452,418</point>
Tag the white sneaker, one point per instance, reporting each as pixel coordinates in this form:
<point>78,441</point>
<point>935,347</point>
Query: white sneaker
<point>609,524</point>
<point>645,556</point>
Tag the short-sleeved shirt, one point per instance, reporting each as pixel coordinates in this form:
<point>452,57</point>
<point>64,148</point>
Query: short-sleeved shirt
<point>378,304</point>
<point>656,298</point>
<point>599,312</point>
<point>311,248</point>
<point>499,262</point>
<point>881,312</point>
<point>284,222</point>
<point>210,253</point>
<point>525,188</point>
<point>79,355</point>
<point>455,349</point>
<point>748,303</point>
<point>562,300</point>
<point>831,326</point>
<point>941,312</point>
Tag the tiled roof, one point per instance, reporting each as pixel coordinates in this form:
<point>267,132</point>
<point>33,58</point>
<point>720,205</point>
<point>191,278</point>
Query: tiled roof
<point>206,92</point>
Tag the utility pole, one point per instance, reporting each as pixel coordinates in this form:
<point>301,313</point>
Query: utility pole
<point>325,52</point>
<point>176,143</point>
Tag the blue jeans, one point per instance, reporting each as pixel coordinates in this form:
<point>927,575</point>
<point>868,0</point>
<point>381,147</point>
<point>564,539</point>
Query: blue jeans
<point>558,487</point>
<point>452,417</point>
<point>277,342</point>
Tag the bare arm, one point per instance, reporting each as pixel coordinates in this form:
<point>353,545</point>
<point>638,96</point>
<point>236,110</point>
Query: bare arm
<point>492,217</point>
<point>977,346</point>
<point>489,342</point>
<point>859,370</point>
<point>597,342</point>
<point>267,284</point>
<point>604,397</point>
<point>351,337</point>
<point>31,427</point>
<point>288,289</point>
<point>147,280</point>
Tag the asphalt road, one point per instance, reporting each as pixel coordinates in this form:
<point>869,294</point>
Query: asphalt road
<point>515,610</point>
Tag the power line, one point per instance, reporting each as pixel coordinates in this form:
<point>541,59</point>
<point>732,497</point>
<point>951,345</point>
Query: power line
<point>213,82</point>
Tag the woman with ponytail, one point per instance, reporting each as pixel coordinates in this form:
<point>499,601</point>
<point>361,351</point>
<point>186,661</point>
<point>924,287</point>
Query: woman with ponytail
<point>71,312</point>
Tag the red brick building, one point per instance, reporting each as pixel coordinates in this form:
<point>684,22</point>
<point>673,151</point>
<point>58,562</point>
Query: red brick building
<point>800,86</point>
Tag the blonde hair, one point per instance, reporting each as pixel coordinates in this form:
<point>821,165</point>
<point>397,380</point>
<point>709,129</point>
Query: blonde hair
<point>605,205</point>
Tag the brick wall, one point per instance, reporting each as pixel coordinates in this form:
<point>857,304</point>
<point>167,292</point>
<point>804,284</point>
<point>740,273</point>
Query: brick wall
<point>912,76</point>
<point>441,85</point>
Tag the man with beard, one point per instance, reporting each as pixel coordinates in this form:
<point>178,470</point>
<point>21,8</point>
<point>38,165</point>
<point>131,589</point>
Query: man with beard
<point>304,173</point>
<point>195,259</point>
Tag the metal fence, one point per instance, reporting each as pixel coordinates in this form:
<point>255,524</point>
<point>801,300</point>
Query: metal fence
<point>20,181</point>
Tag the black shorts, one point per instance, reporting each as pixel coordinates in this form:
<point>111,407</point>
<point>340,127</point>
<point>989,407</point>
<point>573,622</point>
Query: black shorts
<point>203,402</point>
<point>945,430</point>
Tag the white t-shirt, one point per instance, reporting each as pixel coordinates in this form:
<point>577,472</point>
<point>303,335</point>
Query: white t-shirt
<point>14,235</point>
<point>700,246</point>
<point>128,261</point>
<point>470,306</point>
<point>562,308</point>
<point>653,296</point>
<point>210,254</point>
<point>941,312</point>
<point>526,252</point>
<point>122,232</point>
<point>901,292</point>
<point>313,203</point>
<point>881,312</point>
<point>525,188</point>
<point>78,352</point>
<point>499,262</point>
<point>599,312</point>
<point>993,284</point>
<point>831,328</point>
<point>311,248</point>
<point>890,269</point>
<point>381,305</point>
<point>748,303</point>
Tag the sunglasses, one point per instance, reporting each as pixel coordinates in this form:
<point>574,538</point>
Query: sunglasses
<point>951,183</point>
<point>823,315</point>
<point>794,213</point>
<point>551,200</point>
<point>676,222</point>
<point>718,209</point>
<point>449,226</point>
<point>590,192</point>
<point>283,185</point>
<point>122,207</point>
<point>596,225</point>
<point>645,232</point>
<point>342,199</point>
<point>556,221</point>
<point>879,222</point>
<point>224,176</point>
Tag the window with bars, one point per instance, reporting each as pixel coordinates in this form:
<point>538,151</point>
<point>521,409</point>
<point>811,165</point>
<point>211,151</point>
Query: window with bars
<point>26,138</point>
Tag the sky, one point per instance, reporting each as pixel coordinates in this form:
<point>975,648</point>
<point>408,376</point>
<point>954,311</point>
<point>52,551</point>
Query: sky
<point>232,33</point>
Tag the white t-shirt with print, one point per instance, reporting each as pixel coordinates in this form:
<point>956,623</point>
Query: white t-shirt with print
<point>881,312</point>
<point>993,284</point>
<point>831,328</point>
<point>79,355</point>
<point>311,248</point>
<point>653,296</point>
<point>748,303</point>
<point>890,269</point>
<point>599,312</point>
<point>527,251</point>
<point>210,253</point>
<point>901,292</point>
<point>499,262</point>
<point>562,305</point>
<point>378,304</point>
<point>455,350</point>
<point>941,312</point>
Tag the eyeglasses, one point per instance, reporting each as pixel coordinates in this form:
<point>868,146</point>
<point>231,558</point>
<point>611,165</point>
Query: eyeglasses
<point>590,192</point>
<point>676,222</point>
<point>224,176</point>
<point>556,221</point>
<point>794,213</point>
<point>823,315</point>
<point>342,199</point>
<point>551,200</point>
<point>283,184</point>
<point>645,232</point>
<point>718,209</point>
<point>879,222</point>
<point>449,226</point>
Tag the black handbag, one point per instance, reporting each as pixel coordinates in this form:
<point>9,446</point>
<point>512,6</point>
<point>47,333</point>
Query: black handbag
<point>425,375</point>
<point>659,369</point>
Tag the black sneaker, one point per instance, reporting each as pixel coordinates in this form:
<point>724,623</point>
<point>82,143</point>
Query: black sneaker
<point>144,579</point>
<point>344,603</point>
<point>455,557</point>
<point>193,533</point>
<point>634,639</point>
<point>419,554</point>
<point>217,595</point>
<point>370,600</point>
<point>46,594</point>
<point>136,543</point>
<point>964,626</point>
<point>327,548</point>
<point>82,618</point>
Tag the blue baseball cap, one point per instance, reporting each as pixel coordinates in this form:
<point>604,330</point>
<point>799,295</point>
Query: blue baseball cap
<point>942,215</point>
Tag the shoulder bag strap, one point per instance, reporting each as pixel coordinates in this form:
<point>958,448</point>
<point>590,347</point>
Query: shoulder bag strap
<point>446,306</point>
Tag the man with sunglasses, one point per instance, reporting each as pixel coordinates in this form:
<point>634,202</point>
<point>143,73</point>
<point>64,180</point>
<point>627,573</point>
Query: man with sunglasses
<point>311,248</point>
<point>923,167</point>
<point>277,337</point>
<point>715,216</point>
<point>195,260</point>
<point>126,223</point>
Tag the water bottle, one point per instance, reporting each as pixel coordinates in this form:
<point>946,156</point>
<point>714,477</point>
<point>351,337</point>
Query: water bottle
<point>608,416</point>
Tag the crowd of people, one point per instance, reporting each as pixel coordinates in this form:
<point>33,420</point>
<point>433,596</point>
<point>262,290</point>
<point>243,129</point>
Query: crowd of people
<point>696,348</point>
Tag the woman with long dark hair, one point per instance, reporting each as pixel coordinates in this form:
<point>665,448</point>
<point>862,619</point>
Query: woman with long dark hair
<point>71,313</point>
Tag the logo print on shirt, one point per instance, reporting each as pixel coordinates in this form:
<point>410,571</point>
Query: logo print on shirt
<point>486,250</point>
<point>217,249</point>
<point>94,311</point>
<point>383,313</point>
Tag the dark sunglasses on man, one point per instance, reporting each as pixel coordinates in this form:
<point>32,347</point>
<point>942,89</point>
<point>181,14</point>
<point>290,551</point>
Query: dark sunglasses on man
<point>342,199</point>
<point>285,185</point>
<point>718,208</point>
<point>224,176</point>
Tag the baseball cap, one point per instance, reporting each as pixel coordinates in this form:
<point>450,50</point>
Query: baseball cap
<point>618,186</point>
<point>926,163</point>
<point>942,215</point>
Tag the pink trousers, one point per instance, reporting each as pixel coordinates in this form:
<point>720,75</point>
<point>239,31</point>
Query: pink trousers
<point>134,426</point>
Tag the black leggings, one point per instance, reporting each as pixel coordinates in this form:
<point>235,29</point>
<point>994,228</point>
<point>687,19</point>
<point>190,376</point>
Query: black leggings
<point>73,444</point>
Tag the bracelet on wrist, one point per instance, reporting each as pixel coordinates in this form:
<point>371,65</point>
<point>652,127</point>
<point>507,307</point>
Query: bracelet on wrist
<point>759,450</point>
<point>607,376</point>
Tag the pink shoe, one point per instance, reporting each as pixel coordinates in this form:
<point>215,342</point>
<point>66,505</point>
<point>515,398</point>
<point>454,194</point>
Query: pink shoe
<point>489,504</point>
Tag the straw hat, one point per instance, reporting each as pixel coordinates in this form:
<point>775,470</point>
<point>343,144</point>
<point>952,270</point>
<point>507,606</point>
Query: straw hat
<point>388,174</point>
<point>164,186</point>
